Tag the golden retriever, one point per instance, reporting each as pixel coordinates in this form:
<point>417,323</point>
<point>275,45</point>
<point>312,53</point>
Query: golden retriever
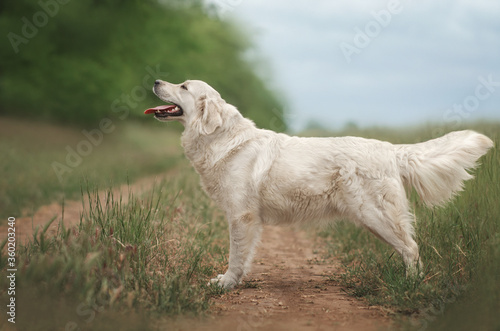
<point>261,177</point>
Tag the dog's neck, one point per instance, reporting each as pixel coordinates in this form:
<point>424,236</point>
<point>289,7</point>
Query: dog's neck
<point>209,153</point>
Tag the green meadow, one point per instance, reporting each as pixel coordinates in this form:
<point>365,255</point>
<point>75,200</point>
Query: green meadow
<point>134,262</point>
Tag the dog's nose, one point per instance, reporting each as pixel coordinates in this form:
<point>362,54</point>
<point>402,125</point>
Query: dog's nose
<point>157,82</point>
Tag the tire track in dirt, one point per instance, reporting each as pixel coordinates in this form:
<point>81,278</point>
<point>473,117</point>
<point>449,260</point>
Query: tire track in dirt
<point>26,225</point>
<point>290,290</point>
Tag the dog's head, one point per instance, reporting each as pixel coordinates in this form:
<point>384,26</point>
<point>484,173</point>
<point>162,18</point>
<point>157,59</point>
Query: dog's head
<point>194,103</point>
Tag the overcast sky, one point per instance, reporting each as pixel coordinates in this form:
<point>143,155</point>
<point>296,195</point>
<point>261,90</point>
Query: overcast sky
<point>378,62</point>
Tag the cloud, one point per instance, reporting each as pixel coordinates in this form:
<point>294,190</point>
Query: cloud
<point>427,58</point>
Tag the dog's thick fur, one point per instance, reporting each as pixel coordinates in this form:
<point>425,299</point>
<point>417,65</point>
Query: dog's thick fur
<point>261,177</point>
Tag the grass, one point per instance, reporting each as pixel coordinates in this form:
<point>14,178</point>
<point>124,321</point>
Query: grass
<point>133,259</point>
<point>29,149</point>
<point>151,255</point>
<point>458,245</point>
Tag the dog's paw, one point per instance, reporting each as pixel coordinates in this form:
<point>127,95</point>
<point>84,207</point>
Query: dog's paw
<point>415,270</point>
<point>224,281</point>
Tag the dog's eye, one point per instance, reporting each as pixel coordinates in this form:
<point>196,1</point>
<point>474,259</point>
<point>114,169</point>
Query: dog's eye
<point>184,86</point>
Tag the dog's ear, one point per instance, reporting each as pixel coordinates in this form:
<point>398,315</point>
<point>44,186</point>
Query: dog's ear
<point>210,109</point>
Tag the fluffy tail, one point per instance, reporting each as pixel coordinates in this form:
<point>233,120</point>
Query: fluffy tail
<point>437,168</point>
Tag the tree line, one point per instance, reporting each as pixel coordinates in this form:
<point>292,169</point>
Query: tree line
<point>77,62</point>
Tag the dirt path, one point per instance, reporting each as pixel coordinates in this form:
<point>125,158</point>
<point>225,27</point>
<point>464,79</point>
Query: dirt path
<point>287,289</point>
<point>25,226</point>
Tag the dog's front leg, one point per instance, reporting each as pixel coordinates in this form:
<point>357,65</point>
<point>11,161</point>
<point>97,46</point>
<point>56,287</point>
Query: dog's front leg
<point>244,233</point>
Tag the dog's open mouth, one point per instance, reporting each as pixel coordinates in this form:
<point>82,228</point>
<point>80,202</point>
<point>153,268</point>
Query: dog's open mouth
<point>165,111</point>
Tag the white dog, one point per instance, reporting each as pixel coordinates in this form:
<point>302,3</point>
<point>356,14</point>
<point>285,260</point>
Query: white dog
<point>261,177</point>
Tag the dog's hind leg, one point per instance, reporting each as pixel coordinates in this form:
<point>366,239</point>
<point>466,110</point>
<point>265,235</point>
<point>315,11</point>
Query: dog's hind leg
<point>398,233</point>
<point>244,234</point>
<point>385,213</point>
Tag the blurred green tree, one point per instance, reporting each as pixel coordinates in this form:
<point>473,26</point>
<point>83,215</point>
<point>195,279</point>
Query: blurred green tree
<point>79,61</point>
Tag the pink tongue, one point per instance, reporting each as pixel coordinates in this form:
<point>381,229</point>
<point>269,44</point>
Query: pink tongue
<point>164,108</point>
